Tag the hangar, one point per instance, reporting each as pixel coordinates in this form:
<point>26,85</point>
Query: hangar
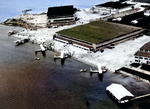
<point>98,35</point>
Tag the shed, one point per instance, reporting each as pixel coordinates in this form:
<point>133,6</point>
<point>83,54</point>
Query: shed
<point>121,94</point>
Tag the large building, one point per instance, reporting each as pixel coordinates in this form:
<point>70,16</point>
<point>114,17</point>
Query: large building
<point>98,35</point>
<point>61,15</point>
<point>143,55</point>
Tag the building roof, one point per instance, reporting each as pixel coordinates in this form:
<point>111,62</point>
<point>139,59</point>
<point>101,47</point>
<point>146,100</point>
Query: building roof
<point>146,46</point>
<point>61,11</point>
<point>119,91</point>
<point>114,5</point>
<point>99,31</point>
<point>143,54</point>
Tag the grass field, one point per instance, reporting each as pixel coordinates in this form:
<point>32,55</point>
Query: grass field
<point>98,31</point>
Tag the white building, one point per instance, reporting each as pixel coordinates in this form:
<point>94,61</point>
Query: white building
<point>143,55</point>
<point>120,94</point>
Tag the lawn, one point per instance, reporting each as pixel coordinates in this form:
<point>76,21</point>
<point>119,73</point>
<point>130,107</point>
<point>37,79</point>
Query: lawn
<point>98,31</point>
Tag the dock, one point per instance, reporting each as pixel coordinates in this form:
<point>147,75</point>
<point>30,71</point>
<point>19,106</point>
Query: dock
<point>139,97</point>
<point>136,73</point>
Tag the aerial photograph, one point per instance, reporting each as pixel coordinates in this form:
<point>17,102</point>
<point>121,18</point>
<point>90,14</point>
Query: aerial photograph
<point>75,54</point>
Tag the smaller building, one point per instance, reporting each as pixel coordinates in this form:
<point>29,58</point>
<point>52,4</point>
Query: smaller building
<point>143,55</point>
<point>112,7</point>
<point>119,93</point>
<point>62,15</point>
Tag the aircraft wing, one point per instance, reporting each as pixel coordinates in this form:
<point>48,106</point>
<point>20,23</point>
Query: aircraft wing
<point>100,69</point>
<point>42,47</point>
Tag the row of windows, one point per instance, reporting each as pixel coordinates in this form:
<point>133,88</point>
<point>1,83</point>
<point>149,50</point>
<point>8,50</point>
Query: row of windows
<point>144,50</point>
<point>137,60</point>
<point>142,58</point>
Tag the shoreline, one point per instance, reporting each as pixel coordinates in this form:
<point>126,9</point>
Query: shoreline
<point>112,59</point>
<point>79,55</point>
<point>82,55</point>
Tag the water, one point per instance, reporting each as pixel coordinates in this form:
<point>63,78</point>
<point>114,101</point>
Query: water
<point>26,83</point>
<point>11,8</point>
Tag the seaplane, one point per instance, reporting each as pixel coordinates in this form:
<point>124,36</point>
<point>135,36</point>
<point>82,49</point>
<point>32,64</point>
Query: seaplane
<point>100,70</point>
<point>42,50</point>
<point>62,55</point>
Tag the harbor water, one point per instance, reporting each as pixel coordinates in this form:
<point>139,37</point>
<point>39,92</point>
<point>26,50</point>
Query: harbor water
<point>26,83</point>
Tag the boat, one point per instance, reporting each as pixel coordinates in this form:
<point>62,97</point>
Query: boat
<point>37,58</point>
<point>82,70</point>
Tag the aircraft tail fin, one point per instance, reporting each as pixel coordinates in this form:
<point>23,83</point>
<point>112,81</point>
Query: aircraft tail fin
<point>90,69</point>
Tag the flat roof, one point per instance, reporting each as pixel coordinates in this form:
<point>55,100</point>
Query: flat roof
<point>98,31</point>
<point>119,91</point>
<point>114,5</point>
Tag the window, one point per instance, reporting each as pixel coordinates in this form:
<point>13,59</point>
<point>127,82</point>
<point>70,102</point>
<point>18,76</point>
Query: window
<point>136,57</point>
<point>141,57</point>
<point>136,60</point>
<point>146,58</point>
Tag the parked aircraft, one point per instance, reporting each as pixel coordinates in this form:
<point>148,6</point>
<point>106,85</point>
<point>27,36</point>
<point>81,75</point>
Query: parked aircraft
<point>42,50</point>
<point>62,55</point>
<point>100,70</point>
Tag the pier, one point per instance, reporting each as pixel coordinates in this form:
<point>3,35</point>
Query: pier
<point>136,73</point>
<point>139,97</point>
